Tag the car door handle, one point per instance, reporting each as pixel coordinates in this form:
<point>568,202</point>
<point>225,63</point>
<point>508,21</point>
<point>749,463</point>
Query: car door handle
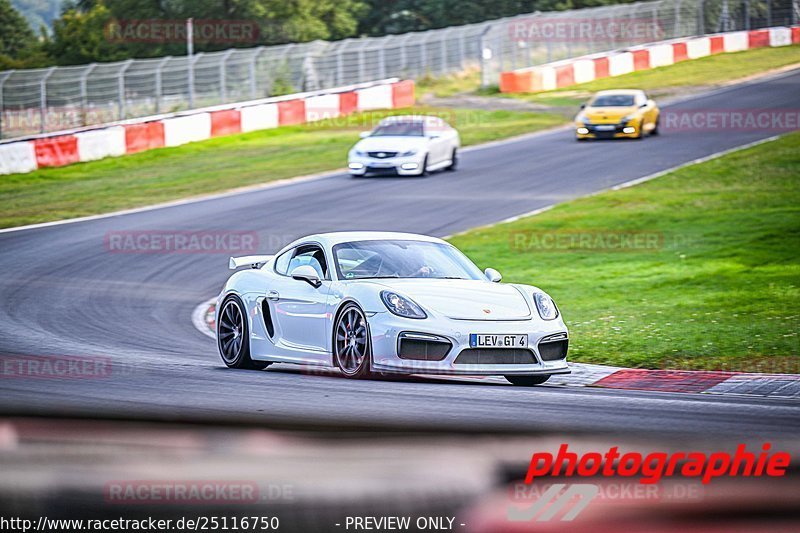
<point>273,295</point>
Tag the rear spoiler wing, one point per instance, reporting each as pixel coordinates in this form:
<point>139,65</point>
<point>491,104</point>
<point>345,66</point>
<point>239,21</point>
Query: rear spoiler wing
<point>253,261</point>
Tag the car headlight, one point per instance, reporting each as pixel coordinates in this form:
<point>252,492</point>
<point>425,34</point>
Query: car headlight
<point>628,118</point>
<point>408,153</point>
<point>358,153</point>
<point>581,118</point>
<point>546,306</point>
<point>401,306</point>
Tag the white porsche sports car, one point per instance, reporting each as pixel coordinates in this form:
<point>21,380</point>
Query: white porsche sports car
<point>406,145</point>
<point>386,302</point>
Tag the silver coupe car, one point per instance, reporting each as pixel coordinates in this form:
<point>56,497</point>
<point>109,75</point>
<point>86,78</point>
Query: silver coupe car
<point>376,302</point>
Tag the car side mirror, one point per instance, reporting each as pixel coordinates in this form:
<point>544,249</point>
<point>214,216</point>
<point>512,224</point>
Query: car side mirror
<point>583,106</point>
<point>308,274</point>
<point>492,275</point>
<point>433,136</point>
<point>364,134</point>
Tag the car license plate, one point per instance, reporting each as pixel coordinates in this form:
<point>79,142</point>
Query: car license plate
<point>490,340</point>
<point>380,165</point>
<point>605,127</point>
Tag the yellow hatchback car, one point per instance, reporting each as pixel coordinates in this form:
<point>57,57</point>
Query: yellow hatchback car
<point>617,114</point>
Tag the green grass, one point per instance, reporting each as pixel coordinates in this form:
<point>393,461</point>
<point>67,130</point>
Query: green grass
<point>221,164</point>
<point>445,86</point>
<point>721,288</point>
<point>711,70</point>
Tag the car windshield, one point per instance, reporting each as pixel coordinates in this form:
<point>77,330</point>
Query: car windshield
<point>613,100</point>
<point>402,259</point>
<point>401,128</point>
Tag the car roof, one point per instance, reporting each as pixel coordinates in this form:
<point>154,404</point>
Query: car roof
<point>328,240</point>
<point>619,91</point>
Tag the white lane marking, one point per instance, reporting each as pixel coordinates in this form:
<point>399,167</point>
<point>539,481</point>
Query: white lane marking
<point>765,385</point>
<point>624,185</point>
<point>505,221</point>
<point>184,201</point>
<point>258,187</point>
<point>518,138</point>
<point>711,157</point>
<point>199,318</point>
<point>583,374</point>
<point>762,77</point>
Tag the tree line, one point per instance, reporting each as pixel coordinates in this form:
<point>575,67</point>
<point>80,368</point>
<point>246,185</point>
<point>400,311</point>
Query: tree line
<point>111,30</point>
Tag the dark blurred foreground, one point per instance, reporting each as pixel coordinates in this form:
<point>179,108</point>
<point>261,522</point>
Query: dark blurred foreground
<point>83,469</point>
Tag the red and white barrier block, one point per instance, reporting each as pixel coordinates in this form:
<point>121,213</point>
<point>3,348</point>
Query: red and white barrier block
<point>259,117</point>
<point>187,129</point>
<point>17,158</point>
<point>97,144</point>
<point>618,62</point>
<point>128,137</point>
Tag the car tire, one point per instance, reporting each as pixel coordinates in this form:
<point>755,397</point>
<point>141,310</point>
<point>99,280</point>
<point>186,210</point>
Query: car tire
<point>527,381</point>
<point>655,128</point>
<point>453,161</point>
<point>352,356</point>
<point>424,170</point>
<point>233,337</point>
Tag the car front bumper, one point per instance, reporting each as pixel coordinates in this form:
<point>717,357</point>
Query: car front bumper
<point>386,329</point>
<point>398,166</point>
<point>607,131</point>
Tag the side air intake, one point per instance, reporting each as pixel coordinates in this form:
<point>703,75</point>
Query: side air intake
<point>267,316</point>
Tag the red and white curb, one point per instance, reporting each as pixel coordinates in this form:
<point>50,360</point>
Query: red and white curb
<point>203,318</point>
<point>568,72</point>
<point>116,139</point>
<point>612,377</point>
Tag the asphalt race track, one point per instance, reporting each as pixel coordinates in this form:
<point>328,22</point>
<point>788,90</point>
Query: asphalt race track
<point>63,293</point>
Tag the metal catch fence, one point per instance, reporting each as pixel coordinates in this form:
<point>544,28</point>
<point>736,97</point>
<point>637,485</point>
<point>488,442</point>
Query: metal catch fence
<point>43,100</point>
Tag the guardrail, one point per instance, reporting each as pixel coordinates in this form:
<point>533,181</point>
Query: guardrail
<point>56,98</point>
<point>174,129</point>
<point>587,68</point>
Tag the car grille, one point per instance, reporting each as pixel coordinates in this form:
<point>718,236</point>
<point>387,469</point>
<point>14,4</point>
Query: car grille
<point>601,134</point>
<point>553,350</point>
<point>388,171</point>
<point>381,155</point>
<point>423,350</point>
<point>495,356</point>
